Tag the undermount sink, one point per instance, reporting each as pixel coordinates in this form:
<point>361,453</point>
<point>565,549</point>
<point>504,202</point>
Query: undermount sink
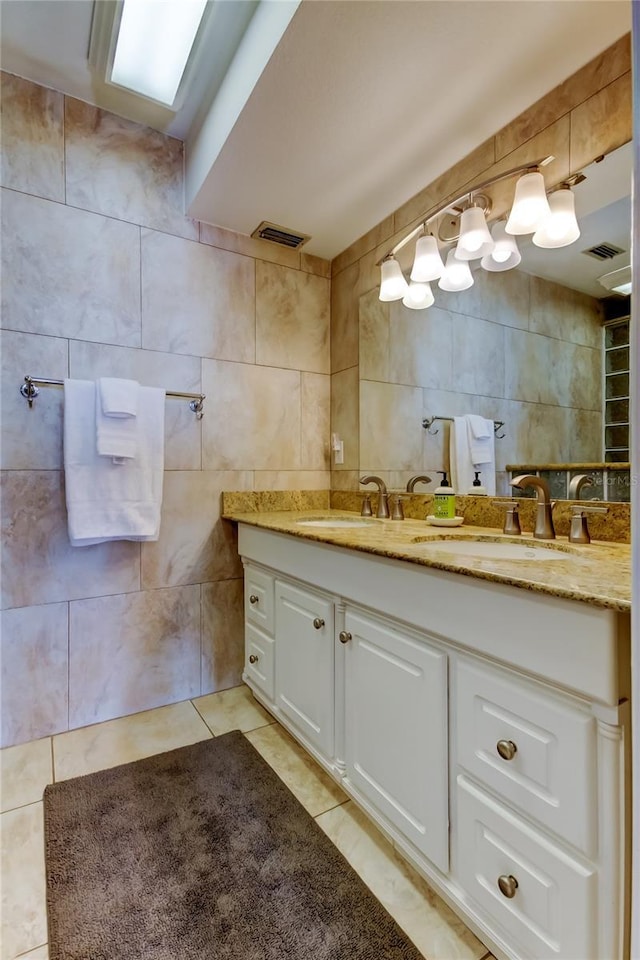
<point>494,549</point>
<point>341,522</point>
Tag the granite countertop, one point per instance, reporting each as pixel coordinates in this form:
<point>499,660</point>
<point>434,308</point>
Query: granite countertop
<point>598,573</point>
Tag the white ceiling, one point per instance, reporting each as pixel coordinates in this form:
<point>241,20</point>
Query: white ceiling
<point>361,104</point>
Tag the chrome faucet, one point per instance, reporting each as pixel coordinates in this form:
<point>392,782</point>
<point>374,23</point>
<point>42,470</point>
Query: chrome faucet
<point>577,483</point>
<point>383,497</point>
<point>421,478</point>
<point>544,529</point>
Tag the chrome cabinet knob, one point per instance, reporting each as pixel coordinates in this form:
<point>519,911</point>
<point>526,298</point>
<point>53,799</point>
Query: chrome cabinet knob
<point>318,623</point>
<point>254,598</point>
<point>344,637</point>
<point>253,658</point>
<point>508,886</point>
<point>507,749</point>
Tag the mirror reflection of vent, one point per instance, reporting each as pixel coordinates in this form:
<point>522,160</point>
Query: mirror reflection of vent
<point>603,251</point>
<point>282,235</point>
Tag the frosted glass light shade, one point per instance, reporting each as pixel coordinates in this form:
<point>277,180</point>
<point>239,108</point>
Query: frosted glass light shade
<point>475,240</point>
<point>393,285</point>
<point>530,205</point>
<point>457,275</point>
<point>427,263</point>
<point>419,296</point>
<point>561,227</point>
<point>505,254</point>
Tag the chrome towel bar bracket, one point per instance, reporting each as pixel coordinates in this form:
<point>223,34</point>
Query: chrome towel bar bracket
<point>30,389</point>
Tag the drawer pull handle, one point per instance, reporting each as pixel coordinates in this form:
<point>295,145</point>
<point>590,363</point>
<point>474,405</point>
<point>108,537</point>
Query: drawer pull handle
<point>254,598</point>
<point>508,886</point>
<point>507,749</point>
<point>344,637</point>
<point>318,623</point>
<point>253,658</point>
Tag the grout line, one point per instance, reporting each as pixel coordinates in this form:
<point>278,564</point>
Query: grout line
<point>20,955</point>
<point>53,763</point>
<point>335,807</point>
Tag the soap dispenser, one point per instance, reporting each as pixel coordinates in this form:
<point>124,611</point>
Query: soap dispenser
<point>444,501</point>
<point>477,490</point>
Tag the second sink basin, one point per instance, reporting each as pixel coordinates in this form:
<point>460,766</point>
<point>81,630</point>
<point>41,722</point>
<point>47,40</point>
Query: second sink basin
<point>494,549</point>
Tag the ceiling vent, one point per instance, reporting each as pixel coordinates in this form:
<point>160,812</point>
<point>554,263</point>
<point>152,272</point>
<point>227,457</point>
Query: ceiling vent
<point>603,251</point>
<point>281,235</point>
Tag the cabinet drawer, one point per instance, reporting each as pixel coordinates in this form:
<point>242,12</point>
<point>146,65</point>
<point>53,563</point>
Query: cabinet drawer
<point>553,908</point>
<point>551,776</point>
<point>258,598</point>
<point>259,660</point>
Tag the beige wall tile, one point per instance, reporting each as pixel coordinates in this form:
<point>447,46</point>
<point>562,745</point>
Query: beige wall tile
<point>182,431</point>
<point>375,335</point>
<point>255,417</point>
<point>291,480</point>
<point>344,318</point>
<point>602,123</point>
<point>500,297</point>
<point>197,299</point>
<point>390,426</point>
<point>222,635</point>
<point>566,314</point>
<point>235,709</point>
<point>292,318</point>
<point>22,872</point>
<point>315,421</point>
<point>39,565</point>
<point>377,235</point>
<point>69,273</point>
<point>528,360</point>
<point>34,672</point>
<point>583,436</point>
<point>126,739</point>
<point>249,246</point>
<point>195,545</point>
<point>345,416</point>
<point>151,638</point>
<point>31,438</point>
<point>478,356</point>
<point>316,265</point>
<point>345,479</point>
<point>25,770</point>
<point>602,70</point>
<point>420,347</point>
<point>125,170</point>
<point>32,138</point>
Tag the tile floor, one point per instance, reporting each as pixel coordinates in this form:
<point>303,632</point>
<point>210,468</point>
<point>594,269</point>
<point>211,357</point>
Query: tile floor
<point>27,768</point>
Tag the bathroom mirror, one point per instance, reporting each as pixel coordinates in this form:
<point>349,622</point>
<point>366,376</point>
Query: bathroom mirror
<point>525,346</point>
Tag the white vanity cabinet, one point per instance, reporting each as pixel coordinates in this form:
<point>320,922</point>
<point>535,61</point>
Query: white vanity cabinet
<point>395,729</point>
<point>481,726</point>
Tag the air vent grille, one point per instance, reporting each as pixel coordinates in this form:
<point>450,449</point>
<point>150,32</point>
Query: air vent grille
<point>281,235</point>
<point>603,251</point>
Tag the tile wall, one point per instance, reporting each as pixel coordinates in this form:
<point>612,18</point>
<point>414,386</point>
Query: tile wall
<point>104,276</point>
<point>474,353</point>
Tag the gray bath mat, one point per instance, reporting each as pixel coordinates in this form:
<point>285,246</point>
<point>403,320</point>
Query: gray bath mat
<point>202,853</point>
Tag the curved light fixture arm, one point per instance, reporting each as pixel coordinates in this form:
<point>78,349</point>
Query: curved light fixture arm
<point>450,204</point>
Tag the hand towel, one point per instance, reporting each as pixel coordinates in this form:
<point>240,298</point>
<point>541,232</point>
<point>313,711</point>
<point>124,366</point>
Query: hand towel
<point>481,434</point>
<point>116,418</point>
<point>107,500</point>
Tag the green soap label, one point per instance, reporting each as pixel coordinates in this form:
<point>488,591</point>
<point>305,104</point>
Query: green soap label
<point>444,506</point>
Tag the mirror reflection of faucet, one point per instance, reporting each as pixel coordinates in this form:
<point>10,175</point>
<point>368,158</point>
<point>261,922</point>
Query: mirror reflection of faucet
<point>577,483</point>
<point>420,478</point>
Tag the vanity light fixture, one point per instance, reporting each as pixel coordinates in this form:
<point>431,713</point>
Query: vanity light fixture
<point>146,46</point>
<point>561,227</point>
<point>617,281</point>
<point>552,220</point>
<point>393,285</point>
<point>418,296</point>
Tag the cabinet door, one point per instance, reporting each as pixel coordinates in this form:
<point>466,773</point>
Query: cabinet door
<point>304,662</point>
<point>396,730</point>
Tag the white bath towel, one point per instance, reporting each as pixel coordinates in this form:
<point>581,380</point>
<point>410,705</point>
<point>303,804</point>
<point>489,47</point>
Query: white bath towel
<point>107,500</point>
<point>116,418</point>
<point>481,434</point>
<point>461,465</point>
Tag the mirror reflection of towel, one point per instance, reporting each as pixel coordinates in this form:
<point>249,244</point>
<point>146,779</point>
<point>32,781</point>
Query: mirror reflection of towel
<point>462,466</point>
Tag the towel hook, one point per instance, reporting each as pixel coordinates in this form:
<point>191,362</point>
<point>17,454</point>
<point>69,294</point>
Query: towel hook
<point>196,407</point>
<point>29,390</point>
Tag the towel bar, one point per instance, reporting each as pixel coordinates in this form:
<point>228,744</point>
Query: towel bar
<point>428,422</point>
<point>30,391</point>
